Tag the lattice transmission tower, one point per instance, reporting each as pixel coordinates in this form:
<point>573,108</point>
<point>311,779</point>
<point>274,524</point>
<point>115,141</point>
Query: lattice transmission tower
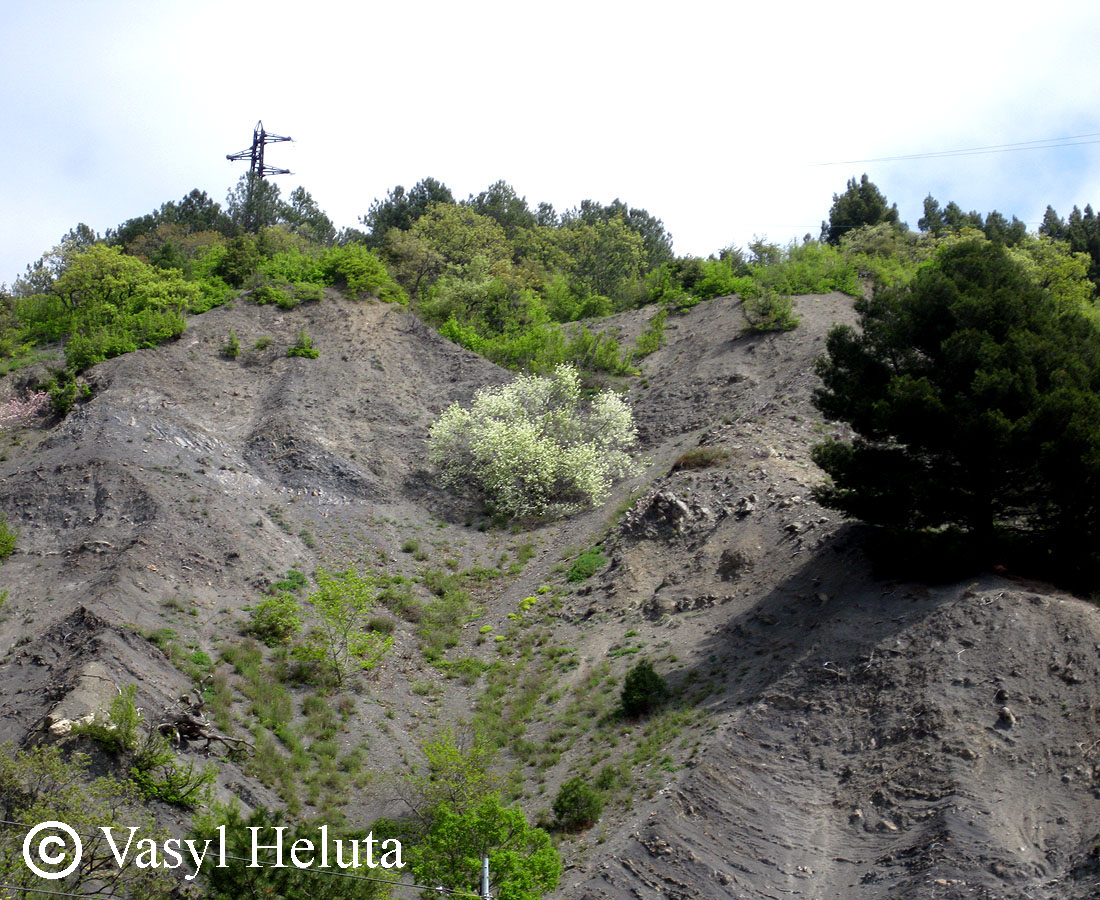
<point>255,153</point>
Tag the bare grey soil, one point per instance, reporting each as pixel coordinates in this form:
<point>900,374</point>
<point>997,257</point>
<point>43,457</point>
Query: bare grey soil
<point>858,739</point>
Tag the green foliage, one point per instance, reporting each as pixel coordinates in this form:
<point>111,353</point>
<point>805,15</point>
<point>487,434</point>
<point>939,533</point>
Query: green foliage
<point>231,349</point>
<point>303,347</point>
<point>577,805</point>
<point>117,729</point>
<point>269,293</point>
<point>239,261</point>
<point>458,817</point>
<point>292,583</point>
<point>586,565</point>
<point>304,217</point>
<point>974,394</point>
<point>275,620</point>
<point>885,254</point>
<point>401,209</point>
<point>531,446</point>
<point>606,257</point>
<point>656,242</point>
<point>522,860</point>
<point>862,203</point>
<point>254,203</point>
<point>8,538</point>
<point>769,311</point>
<point>48,784</point>
<point>107,304</point>
<point>455,774</point>
<point>240,881</point>
<point>151,762</point>
<point>304,292</point>
<point>644,689</point>
<point>343,640</point>
<point>360,272</point>
<point>811,267</point>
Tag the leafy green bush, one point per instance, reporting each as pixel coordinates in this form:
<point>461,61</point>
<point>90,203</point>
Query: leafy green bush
<point>643,690</point>
<point>231,349</point>
<point>344,639</point>
<point>152,763</point>
<point>577,805</point>
<point>650,339</point>
<point>275,620</point>
<point>303,347</point>
<point>307,293</point>
<point>54,783</point>
<point>531,446</point>
<point>769,311</point>
<point>8,537</point>
<point>360,272</point>
<point>261,827</point>
<point>586,565</point>
<point>522,858</point>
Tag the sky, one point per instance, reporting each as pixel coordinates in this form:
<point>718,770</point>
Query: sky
<point>715,117</point>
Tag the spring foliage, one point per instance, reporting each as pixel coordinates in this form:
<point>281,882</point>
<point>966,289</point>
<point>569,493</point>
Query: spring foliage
<point>531,447</point>
<point>974,393</point>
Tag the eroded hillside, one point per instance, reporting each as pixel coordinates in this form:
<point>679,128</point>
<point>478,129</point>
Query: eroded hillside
<point>830,735</point>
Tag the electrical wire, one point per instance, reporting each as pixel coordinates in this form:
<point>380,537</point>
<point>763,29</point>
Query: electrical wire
<point>1076,140</point>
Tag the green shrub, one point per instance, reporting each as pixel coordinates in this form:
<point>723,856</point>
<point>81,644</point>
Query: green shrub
<point>531,447</point>
<point>275,620</point>
<point>361,272</point>
<point>972,393</point>
<point>308,293</point>
<point>8,537</point>
<point>586,565</point>
<point>269,293</point>
<point>232,347</point>
<point>577,805</point>
<point>152,763</point>
<point>650,339</point>
<point>769,311</point>
<point>293,582</point>
<point>643,690</point>
<point>303,347</point>
<point>344,639</point>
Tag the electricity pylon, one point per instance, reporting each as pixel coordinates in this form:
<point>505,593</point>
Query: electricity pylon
<point>255,154</point>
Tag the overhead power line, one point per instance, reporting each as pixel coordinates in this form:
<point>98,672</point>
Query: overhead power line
<point>1076,140</point>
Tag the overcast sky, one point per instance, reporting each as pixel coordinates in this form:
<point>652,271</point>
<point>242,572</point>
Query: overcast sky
<point>711,116</point>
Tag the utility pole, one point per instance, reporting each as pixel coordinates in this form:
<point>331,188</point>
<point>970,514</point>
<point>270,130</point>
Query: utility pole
<point>255,153</point>
<point>485,878</point>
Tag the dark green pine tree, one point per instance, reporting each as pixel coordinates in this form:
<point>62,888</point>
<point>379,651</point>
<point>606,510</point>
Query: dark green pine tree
<point>974,396</point>
<point>862,203</point>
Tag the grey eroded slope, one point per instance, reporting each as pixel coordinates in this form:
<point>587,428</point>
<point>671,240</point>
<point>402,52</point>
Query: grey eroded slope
<point>851,743</point>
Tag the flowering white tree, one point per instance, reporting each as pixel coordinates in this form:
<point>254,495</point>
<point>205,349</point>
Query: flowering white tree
<point>532,447</point>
